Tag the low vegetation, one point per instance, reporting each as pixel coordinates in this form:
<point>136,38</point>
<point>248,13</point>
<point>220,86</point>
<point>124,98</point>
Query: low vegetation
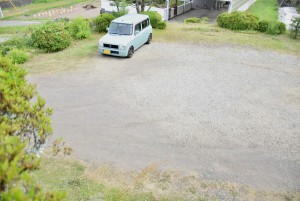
<point>195,20</point>
<point>24,118</point>
<point>249,21</point>
<point>51,37</point>
<point>81,181</point>
<point>18,56</point>
<point>295,28</point>
<point>79,28</point>
<point>238,21</point>
<point>265,10</point>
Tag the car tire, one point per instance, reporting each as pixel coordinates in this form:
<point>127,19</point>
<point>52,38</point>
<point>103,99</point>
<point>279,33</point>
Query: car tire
<point>130,52</point>
<point>149,39</point>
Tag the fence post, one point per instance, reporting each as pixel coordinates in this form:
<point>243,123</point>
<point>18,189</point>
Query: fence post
<point>1,13</point>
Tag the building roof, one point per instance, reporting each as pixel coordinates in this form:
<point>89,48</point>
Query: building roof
<point>131,18</point>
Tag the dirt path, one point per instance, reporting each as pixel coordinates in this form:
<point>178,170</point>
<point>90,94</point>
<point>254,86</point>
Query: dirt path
<point>228,113</point>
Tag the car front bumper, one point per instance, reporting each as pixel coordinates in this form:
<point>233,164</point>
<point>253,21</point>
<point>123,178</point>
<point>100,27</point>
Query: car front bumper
<point>113,52</point>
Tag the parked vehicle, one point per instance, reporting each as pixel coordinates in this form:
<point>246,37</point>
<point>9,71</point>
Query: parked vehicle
<point>125,35</point>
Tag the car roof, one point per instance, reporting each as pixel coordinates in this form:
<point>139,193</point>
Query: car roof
<point>131,18</point>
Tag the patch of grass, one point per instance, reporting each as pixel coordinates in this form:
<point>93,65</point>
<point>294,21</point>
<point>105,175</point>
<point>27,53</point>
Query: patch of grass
<point>81,181</point>
<point>16,29</point>
<point>35,8</point>
<point>76,54</point>
<point>265,9</point>
<point>211,34</point>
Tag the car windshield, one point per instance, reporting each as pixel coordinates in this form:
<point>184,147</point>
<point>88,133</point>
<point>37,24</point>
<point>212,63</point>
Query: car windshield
<point>120,28</point>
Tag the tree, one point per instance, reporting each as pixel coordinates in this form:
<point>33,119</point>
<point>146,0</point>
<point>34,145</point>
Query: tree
<point>24,128</point>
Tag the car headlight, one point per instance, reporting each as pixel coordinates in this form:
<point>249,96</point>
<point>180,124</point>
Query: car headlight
<point>122,47</point>
<point>100,44</point>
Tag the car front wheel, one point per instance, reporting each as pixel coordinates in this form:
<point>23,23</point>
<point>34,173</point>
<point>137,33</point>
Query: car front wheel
<point>130,52</point>
<point>149,39</point>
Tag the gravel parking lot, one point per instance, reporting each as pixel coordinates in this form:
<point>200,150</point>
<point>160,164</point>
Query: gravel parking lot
<point>226,112</point>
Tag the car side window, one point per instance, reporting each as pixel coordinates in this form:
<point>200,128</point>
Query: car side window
<point>145,23</point>
<point>137,28</point>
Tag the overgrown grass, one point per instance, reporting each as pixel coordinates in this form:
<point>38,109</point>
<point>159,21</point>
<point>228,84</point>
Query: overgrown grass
<point>35,8</point>
<point>82,181</point>
<point>265,9</point>
<point>211,34</point>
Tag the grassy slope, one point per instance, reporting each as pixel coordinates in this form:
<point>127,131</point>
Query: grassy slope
<point>34,8</point>
<point>265,9</point>
<point>87,182</point>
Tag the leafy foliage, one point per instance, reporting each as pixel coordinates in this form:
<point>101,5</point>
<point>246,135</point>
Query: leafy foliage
<point>276,27</point>
<point>263,25</point>
<point>51,37</point>
<point>79,28</point>
<point>14,43</point>
<point>24,127</point>
<point>192,20</point>
<point>161,25</point>
<point>238,21</point>
<point>18,56</point>
<point>295,27</point>
<point>155,18</point>
<point>103,21</point>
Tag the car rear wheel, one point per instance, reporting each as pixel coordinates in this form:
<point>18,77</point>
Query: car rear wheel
<point>149,39</point>
<point>130,52</point>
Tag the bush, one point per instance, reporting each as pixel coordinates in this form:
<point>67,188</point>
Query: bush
<point>275,28</point>
<point>51,37</point>
<point>24,118</point>
<point>18,56</point>
<point>14,43</point>
<point>238,21</point>
<point>103,21</point>
<point>155,18</point>
<point>79,28</point>
<point>161,25</point>
<point>263,26</point>
<point>295,27</point>
<point>192,20</point>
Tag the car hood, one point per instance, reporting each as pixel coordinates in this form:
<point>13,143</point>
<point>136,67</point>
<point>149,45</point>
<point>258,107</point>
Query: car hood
<point>116,39</point>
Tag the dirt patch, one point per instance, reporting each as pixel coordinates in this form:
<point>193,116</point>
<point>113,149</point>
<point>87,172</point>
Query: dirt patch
<point>227,113</point>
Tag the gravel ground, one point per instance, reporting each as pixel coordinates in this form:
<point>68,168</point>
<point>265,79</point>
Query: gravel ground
<point>228,113</point>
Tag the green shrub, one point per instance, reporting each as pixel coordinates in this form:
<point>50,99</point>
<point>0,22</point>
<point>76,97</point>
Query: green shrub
<point>103,21</point>
<point>51,37</point>
<point>192,20</point>
<point>155,18</point>
<point>79,28</point>
<point>263,25</point>
<point>161,25</point>
<point>18,56</point>
<point>295,28</point>
<point>14,43</point>
<point>238,21</point>
<point>24,116</point>
<point>275,28</point>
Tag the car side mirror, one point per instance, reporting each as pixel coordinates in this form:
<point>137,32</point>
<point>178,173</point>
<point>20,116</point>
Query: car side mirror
<point>136,32</point>
<point>107,29</point>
